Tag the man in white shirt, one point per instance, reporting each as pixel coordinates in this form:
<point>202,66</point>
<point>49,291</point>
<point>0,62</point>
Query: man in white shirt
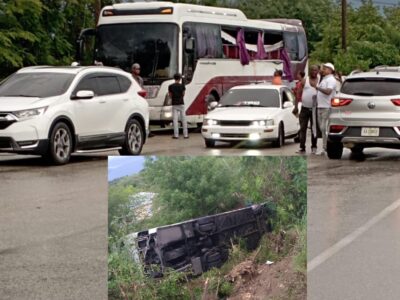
<point>326,90</point>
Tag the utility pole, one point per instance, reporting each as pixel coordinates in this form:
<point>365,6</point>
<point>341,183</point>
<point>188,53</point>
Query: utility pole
<point>344,25</point>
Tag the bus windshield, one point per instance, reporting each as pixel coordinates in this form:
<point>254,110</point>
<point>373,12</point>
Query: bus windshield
<point>152,45</point>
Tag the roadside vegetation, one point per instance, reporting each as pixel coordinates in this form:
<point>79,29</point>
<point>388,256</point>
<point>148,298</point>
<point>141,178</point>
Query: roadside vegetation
<point>43,32</point>
<point>190,187</point>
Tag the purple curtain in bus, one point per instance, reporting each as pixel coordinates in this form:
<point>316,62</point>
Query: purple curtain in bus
<point>243,54</point>
<point>287,69</point>
<point>260,47</point>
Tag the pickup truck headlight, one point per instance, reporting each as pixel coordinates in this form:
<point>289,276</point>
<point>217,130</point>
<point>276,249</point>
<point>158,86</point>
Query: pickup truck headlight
<point>29,113</point>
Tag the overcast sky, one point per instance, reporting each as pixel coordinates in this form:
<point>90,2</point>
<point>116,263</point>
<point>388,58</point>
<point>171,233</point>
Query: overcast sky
<point>120,166</point>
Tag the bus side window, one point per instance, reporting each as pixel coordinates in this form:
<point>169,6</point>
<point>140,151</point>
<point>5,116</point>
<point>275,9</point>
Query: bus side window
<point>291,44</point>
<point>228,37</point>
<point>272,38</point>
<point>302,39</point>
<point>251,38</point>
<point>207,39</point>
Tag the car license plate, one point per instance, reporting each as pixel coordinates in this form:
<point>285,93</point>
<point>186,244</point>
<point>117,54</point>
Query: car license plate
<point>370,131</point>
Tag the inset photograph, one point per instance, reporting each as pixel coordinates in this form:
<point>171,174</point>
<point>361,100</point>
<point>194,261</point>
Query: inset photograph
<point>207,227</point>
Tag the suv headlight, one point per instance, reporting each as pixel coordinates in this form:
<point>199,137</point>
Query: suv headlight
<point>29,113</point>
<point>263,123</point>
<point>210,122</point>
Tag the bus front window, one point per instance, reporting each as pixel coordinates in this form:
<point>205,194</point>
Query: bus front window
<point>153,46</point>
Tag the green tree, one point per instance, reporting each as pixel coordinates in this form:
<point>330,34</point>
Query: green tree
<point>190,187</point>
<point>373,39</point>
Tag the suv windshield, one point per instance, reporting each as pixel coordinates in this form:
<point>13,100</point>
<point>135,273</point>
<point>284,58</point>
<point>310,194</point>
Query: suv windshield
<point>153,46</point>
<point>371,87</point>
<point>40,85</point>
<point>251,97</point>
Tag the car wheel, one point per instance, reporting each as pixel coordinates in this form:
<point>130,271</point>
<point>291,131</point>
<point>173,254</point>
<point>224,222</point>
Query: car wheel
<point>334,150</point>
<point>209,143</point>
<point>60,144</point>
<point>280,141</point>
<point>134,138</point>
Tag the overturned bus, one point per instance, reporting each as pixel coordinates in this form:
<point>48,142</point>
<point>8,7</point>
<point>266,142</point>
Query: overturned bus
<point>199,244</point>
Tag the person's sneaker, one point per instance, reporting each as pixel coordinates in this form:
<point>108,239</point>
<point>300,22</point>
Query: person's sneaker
<point>314,150</point>
<point>322,153</point>
<point>175,137</point>
<point>151,135</point>
<point>301,151</point>
<point>186,137</point>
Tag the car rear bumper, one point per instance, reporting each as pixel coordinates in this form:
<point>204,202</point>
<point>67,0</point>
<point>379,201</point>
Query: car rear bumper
<point>388,137</point>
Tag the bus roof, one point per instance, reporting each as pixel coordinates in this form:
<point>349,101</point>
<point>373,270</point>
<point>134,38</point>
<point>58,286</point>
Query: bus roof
<point>180,12</point>
<point>180,9</point>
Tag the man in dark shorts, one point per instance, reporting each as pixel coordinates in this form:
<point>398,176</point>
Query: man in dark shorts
<point>176,92</point>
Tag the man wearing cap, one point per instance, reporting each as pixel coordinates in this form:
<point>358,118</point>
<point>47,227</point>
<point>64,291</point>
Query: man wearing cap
<point>136,74</point>
<point>326,90</point>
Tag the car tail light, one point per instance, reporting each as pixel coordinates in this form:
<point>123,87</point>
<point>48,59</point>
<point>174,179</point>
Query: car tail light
<point>336,128</point>
<point>396,102</point>
<point>142,93</point>
<point>336,102</point>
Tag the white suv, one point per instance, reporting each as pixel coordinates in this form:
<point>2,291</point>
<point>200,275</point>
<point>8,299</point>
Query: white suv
<point>55,111</point>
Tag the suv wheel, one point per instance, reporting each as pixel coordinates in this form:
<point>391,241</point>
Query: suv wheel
<point>335,150</point>
<point>60,144</point>
<point>134,138</point>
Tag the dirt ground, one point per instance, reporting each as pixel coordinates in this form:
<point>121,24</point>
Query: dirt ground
<point>278,281</point>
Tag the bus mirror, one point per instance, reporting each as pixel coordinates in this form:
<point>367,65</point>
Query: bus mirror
<point>80,43</point>
<point>189,45</point>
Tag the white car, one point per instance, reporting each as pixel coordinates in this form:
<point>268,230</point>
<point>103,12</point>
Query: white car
<point>55,111</point>
<point>252,113</point>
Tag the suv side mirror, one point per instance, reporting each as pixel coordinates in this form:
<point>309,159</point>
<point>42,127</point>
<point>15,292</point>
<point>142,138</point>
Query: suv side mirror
<point>80,95</point>
<point>189,45</point>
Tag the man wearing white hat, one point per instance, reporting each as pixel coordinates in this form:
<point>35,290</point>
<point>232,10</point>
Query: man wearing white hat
<point>326,90</point>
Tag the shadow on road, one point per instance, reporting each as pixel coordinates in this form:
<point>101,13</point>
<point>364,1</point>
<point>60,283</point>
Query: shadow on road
<point>38,161</point>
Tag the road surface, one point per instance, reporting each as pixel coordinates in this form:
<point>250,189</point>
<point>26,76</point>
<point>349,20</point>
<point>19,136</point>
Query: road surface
<point>354,228</point>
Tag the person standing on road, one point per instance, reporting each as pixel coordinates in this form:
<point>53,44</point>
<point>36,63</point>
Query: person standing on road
<point>136,74</point>
<point>177,92</point>
<point>326,90</point>
<point>308,99</point>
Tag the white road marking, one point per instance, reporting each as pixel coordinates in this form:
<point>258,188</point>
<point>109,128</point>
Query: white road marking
<point>328,253</point>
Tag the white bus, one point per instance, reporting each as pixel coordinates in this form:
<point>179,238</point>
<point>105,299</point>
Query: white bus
<point>201,42</point>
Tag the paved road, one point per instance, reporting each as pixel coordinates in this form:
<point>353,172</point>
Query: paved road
<point>53,229</point>
<point>53,222</point>
<point>354,228</point>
